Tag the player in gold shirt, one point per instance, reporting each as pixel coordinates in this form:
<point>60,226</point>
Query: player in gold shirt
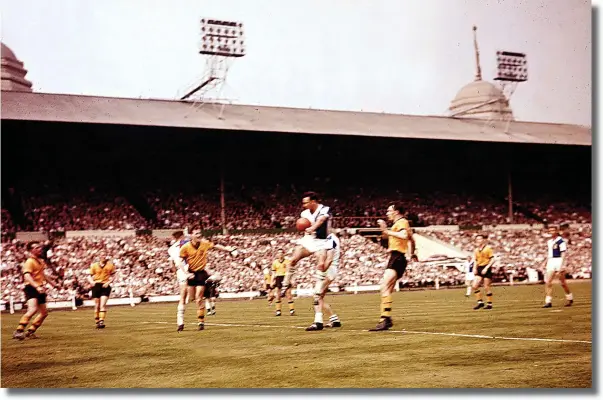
<point>35,293</point>
<point>484,258</point>
<point>279,270</point>
<point>194,254</point>
<point>101,277</point>
<point>399,239</point>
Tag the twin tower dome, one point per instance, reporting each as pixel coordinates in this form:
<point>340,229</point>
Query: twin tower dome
<point>13,73</point>
<point>480,99</point>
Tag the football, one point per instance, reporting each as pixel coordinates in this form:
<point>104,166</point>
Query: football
<point>302,224</point>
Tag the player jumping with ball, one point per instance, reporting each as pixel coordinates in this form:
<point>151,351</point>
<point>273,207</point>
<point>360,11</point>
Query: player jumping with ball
<point>315,239</point>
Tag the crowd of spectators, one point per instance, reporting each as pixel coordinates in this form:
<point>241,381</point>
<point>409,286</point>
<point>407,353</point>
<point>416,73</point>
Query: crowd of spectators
<point>142,264</point>
<point>7,222</point>
<point>278,207</point>
<point>91,210</point>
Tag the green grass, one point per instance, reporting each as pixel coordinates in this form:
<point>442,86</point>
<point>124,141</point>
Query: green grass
<point>141,349</point>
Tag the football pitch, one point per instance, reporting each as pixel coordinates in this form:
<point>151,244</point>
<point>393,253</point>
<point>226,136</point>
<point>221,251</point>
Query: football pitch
<point>437,341</point>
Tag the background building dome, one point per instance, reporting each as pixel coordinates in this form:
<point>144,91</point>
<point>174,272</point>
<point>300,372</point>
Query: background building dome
<point>481,99</point>
<point>13,73</point>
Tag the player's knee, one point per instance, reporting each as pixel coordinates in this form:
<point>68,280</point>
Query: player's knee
<point>316,299</point>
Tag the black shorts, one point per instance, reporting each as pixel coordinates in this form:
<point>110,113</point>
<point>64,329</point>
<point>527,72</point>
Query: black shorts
<point>267,287</point>
<point>99,291</point>
<point>211,291</point>
<point>480,272</point>
<point>397,262</point>
<point>278,282</point>
<point>199,279</point>
<point>32,293</point>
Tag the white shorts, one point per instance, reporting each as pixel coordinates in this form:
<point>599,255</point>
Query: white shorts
<point>181,276</point>
<point>469,276</point>
<point>554,264</point>
<point>313,245</point>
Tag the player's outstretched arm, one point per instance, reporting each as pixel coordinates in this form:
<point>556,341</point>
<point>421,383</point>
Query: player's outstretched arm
<point>228,249</point>
<point>319,221</point>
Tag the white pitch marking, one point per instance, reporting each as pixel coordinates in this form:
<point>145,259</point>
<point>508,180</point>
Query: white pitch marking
<point>398,331</point>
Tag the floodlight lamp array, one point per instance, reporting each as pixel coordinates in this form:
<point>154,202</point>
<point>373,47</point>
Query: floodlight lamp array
<point>222,38</point>
<point>511,66</point>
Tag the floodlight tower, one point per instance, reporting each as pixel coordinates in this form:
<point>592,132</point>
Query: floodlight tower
<point>512,69</point>
<point>221,43</point>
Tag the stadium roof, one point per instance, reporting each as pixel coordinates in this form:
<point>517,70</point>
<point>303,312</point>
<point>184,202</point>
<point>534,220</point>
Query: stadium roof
<point>172,113</point>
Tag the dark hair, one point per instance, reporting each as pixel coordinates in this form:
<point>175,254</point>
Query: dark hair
<point>397,207</point>
<point>177,235</point>
<point>311,195</point>
<point>31,245</point>
<point>482,235</point>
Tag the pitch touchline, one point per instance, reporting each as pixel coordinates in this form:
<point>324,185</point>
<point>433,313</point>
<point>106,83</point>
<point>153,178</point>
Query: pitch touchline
<point>399,331</point>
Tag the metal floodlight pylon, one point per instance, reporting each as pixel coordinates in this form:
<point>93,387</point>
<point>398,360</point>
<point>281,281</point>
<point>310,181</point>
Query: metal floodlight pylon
<point>221,43</point>
<point>511,70</point>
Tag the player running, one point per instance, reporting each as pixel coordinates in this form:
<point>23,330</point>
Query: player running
<point>315,240</point>
<point>555,267</point>
<point>399,240</point>
<point>194,254</point>
<point>101,277</point>
<point>323,281</point>
<point>279,270</point>
<point>35,294</point>
<point>484,259</point>
<point>180,240</point>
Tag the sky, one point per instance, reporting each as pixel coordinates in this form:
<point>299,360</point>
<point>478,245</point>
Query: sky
<point>392,56</point>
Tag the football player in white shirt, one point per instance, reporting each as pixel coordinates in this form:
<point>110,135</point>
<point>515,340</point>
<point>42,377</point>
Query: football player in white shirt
<point>555,266</point>
<point>182,275</point>
<point>323,281</point>
<point>315,240</point>
<point>469,275</point>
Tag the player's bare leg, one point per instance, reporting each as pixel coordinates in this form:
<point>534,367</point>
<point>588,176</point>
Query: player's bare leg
<point>334,321</point>
<point>290,301</point>
<point>548,288</point>
<point>388,284</point>
<point>96,311</point>
<point>299,254</point>
<point>569,297</point>
<point>278,305</point>
<point>32,309</point>
<point>199,295</point>
<point>37,322</point>
<point>478,293</point>
<point>324,260</point>
<point>102,311</point>
<point>270,295</point>
<point>184,289</point>
<point>488,289</point>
